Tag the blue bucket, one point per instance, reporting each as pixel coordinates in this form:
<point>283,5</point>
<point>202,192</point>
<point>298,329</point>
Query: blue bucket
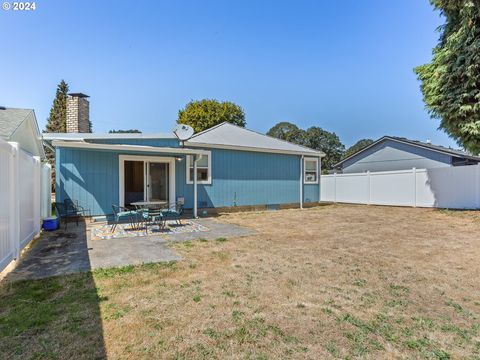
<point>50,223</point>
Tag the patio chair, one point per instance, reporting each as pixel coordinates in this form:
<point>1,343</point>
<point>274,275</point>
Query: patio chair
<point>66,213</point>
<point>122,215</point>
<point>152,216</point>
<point>72,205</point>
<point>173,213</point>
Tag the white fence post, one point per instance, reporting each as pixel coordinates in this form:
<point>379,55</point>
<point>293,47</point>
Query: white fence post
<point>14,197</point>
<point>46,191</point>
<point>334,187</point>
<point>369,192</point>
<point>414,173</point>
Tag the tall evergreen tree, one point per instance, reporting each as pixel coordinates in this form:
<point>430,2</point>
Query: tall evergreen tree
<point>57,122</point>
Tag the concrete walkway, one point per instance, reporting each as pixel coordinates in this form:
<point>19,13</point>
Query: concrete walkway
<point>65,252</point>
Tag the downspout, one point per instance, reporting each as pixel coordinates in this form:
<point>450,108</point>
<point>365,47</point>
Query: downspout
<point>301,182</point>
<point>195,195</point>
<point>319,179</point>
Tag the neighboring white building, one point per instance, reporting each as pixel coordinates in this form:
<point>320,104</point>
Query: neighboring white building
<point>20,126</point>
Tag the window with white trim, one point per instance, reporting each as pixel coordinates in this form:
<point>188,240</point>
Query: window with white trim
<point>204,170</point>
<point>310,170</point>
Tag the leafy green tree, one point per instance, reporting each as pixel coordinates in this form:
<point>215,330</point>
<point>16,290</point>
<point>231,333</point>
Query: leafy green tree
<point>359,145</point>
<point>203,114</point>
<point>57,122</point>
<point>130,131</point>
<point>314,138</point>
<point>450,83</point>
<point>329,143</point>
<point>287,131</point>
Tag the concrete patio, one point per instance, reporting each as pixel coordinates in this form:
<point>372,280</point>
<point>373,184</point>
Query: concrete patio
<point>69,251</point>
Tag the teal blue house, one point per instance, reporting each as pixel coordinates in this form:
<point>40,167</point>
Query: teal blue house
<point>234,167</point>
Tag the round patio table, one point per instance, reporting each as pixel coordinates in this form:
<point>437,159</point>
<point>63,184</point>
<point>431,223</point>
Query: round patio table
<point>149,204</point>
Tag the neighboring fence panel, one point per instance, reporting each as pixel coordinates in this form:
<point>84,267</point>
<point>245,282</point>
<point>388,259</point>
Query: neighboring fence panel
<point>448,187</point>
<point>7,250</point>
<point>20,188</point>
<point>46,191</point>
<point>352,188</point>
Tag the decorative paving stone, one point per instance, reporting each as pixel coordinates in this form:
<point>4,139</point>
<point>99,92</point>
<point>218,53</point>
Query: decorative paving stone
<point>103,231</point>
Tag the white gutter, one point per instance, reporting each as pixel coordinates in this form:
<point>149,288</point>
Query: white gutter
<point>139,148</point>
<point>319,179</point>
<point>96,136</point>
<point>195,194</point>
<point>256,149</point>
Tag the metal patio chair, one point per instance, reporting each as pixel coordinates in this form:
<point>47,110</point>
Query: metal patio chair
<point>154,216</point>
<point>66,213</point>
<point>123,215</point>
<point>173,213</point>
<point>72,205</point>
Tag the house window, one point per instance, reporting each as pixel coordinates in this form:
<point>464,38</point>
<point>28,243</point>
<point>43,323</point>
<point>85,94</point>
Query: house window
<point>310,171</point>
<point>204,170</point>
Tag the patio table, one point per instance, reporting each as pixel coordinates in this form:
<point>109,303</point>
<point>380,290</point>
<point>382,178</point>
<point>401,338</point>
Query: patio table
<point>149,204</point>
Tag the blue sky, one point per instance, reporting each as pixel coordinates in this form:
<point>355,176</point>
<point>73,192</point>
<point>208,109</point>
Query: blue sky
<point>345,66</point>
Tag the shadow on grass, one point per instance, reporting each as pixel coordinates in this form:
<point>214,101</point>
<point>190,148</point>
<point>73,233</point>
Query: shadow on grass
<point>55,317</point>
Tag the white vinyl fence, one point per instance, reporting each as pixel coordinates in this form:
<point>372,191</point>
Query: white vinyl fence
<point>23,194</point>
<point>448,187</point>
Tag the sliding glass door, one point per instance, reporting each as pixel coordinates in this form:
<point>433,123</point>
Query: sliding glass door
<point>146,181</point>
<point>157,181</point>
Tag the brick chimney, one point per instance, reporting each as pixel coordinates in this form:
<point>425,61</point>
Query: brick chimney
<point>78,117</point>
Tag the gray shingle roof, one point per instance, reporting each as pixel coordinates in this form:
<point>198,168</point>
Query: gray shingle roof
<point>229,135</point>
<point>10,120</point>
<point>454,152</point>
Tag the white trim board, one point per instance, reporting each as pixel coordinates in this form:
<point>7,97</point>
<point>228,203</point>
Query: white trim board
<point>189,164</point>
<point>305,159</point>
<point>121,175</point>
<point>139,148</point>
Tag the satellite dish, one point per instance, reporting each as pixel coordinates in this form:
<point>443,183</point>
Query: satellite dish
<point>183,132</point>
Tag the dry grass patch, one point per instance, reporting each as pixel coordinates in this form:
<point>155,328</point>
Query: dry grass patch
<point>330,282</point>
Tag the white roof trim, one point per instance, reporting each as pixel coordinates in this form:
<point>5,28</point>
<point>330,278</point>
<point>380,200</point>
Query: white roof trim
<point>139,148</point>
<point>255,149</point>
<point>93,136</point>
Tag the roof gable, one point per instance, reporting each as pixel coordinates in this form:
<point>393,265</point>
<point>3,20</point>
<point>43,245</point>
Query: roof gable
<point>20,125</point>
<point>10,121</point>
<point>426,146</point>
<point>229,136</point>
